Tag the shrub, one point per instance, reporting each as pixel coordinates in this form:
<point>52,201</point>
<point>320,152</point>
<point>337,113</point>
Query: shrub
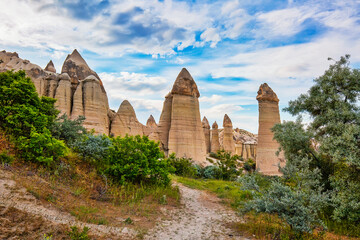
<point>93,148</point>
<point>212,172</point>
<point>137,159</point>
<point>68,130</point>
<point>6,158</point>
<point>183,166</point>
<point>229,165</point>
<point>75,233</point>
<point>249,165</point>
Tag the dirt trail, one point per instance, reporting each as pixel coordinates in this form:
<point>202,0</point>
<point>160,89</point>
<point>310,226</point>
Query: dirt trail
<point>14,197</point>
<point>201,217</point>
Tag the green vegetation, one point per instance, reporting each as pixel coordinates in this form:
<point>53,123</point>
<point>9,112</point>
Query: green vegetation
<point>76,234</point>
<point>321,181</point>
<point>26,119</point>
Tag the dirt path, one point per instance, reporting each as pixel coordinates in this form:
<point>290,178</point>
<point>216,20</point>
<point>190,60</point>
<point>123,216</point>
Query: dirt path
<point>201,217</point>
<point>14,197</point>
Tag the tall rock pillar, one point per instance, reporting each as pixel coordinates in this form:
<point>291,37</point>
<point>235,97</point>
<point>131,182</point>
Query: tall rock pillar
<point>206,129</point>
<point>186,136</point>
<point>215,143</point>
<point>266,160</point>
<point>228,139</point>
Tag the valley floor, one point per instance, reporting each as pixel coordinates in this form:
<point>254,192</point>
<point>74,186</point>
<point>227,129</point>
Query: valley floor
<point>200,216</point>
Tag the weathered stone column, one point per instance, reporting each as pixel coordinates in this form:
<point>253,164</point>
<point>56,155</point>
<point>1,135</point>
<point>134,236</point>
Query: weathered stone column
<point>186,136</point>
<point>215,143</point>
<point>206,129</point>
<point>228,139</point>
<point>266,160</point>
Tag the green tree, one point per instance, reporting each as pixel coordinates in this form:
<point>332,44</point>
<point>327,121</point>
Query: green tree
<point>68,130</point>
<point>26,118</point>
<point>138,160</point>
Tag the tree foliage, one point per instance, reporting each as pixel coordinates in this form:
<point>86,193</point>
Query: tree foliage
<point>68,130</point>
<point>323,158</point>
<point>27,118</point>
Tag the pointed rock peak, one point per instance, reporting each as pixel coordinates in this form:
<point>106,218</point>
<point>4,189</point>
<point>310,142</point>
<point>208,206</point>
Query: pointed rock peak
<point>185,85</point>
<point>215,125</point>
<point>151,122</point>
<point>205,123</point>
<point>126,109</point>
<point>265,93</point>
<point>227,121</point>
<point>50,67</point>
<point>76,58</point>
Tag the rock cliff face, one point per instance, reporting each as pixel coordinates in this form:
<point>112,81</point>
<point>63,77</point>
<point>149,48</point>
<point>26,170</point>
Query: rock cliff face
<point>215,143</point>
<point>266,160</point>
<point>180,128</point>
<point>125,121</point>
<point>206,129</point>
<point>78,89</point>
<point>228,139</point>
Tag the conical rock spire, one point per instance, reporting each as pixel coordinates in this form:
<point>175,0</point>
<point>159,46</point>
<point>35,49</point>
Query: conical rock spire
<point>50,67</point>
<point>265,93</point>
<point>185,85</point>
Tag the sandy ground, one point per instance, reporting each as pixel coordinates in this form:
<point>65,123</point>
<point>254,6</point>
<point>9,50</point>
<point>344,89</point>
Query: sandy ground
<point>201,217</point>
<point>14,197</point>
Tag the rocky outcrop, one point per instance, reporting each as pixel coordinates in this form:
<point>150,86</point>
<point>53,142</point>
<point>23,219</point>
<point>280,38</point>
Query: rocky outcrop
<point>266,160</point>
<point>180,128</point>
<point>150,129</point>
<point>50,67</point>
<point>215,143</point>
<point>228,143</point>
<point>125,121</point>
<point>63,95</point>
<point>78,89</point>
<point>245,143</point>
<point>77,69</point>
<point>206,129</point>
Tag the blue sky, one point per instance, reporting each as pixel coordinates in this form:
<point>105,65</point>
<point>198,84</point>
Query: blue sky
<point>230,47</point>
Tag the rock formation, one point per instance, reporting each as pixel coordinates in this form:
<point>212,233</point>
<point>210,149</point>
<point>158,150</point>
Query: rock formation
<point>215,144</point>
<point>228,139</point>
<point>50,67</point>
<point>266,160</point>
<point>180,128</point>
<point>245,143</point>
<point>150,129</point>
<point>206,129</point>
<point>77,69</point>
<point>125,121</point>
<point>78,89</point>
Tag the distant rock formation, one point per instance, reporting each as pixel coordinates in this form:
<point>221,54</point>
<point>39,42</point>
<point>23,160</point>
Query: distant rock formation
<point>50,67</point>
<point>245,143</point>
<point>228,139</point>
<point>215,143</point>
<point>266,160</point>
<point>206,129</point>
<point>180,128</point>
<point>125,121</point>
<point>78,89</point>
<point>150,129</point>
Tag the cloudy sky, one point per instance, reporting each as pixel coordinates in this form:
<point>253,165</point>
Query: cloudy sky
<point>229,47</point>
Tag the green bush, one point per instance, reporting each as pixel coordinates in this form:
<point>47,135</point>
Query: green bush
<point>137,159</point>
<point>26,118</point>
<point>212,172</point>
<point>6,158</point>
<point>75,233</point>
<point>249,165</point>
<point>229,165</point>
<point>183,166</point>
<point>68,130</point>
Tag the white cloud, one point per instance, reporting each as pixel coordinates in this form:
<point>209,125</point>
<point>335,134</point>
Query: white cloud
<point>210,35</point>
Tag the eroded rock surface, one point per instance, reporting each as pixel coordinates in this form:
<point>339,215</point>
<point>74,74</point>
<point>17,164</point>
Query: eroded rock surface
<point>266,160</point>
<point>215,143</point>
<point>228,142</point>
<point>206,129</point>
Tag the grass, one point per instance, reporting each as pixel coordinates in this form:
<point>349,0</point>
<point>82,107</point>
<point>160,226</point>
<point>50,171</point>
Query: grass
<point>260,226</point>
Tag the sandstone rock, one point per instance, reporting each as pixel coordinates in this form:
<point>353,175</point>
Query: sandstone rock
<point>50,67</point>
<point>151,122</point>
<point>245,143</point>
<point>206,129</point>
<point>186,136</point>
<point>95,105</point>
<point>77,69</point>
<point>165,122</point>
<point>228,139</point>
<point>63,95</point>
<point>78,106</point>
<point>266,160</point>
<point>151,129</point>
<point>215,144</point>
<point>125,121</point>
